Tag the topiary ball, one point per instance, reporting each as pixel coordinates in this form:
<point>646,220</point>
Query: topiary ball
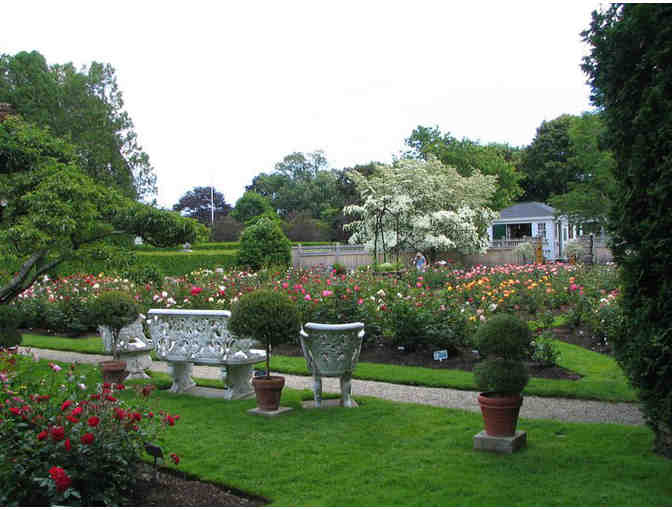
<point>504,336</point>
<point>267,316</point>
<point>501,376</point>
<point>264,244</point>
<point>115,310</point>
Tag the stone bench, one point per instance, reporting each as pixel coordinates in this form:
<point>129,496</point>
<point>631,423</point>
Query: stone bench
<point>332,350</point>
<point>134,348</point>
<point>185,338</point>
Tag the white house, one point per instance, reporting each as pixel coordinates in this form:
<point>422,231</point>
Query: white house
<point>532,220</point>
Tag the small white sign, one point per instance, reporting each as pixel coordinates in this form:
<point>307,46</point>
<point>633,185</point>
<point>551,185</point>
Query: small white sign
<point>440,355</point>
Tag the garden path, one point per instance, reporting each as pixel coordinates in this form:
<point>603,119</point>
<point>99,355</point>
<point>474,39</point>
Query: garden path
<point>560,409</point>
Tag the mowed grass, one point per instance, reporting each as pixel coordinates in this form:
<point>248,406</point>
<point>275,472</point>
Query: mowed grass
<point>602,378</point>
<point>390,454</point>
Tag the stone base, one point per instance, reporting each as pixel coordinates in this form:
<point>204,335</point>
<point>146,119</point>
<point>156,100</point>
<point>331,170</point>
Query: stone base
<point>332,402</point>
<point>483,441</point>
<point>224,394</point>
<point>270,414</point>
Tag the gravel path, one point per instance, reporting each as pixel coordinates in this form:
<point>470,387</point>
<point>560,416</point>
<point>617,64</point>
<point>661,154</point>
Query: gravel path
<point>560,409</point>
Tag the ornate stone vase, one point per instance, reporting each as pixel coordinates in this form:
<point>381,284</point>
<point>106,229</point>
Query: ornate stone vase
<point>500,413</point>
<point>113,371</point>
<point>332,350</point>
<point>268,391</point>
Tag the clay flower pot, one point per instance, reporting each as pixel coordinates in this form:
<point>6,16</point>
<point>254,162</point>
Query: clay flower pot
<point>113,371</point>
<point>500,413</point>
<point>268,391</point>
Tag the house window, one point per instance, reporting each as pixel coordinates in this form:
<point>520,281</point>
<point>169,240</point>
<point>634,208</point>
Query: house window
<point>541,230</point>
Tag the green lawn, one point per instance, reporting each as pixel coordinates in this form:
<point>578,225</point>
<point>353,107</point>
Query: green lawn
<point>390,454</point>
<point>602,377</point>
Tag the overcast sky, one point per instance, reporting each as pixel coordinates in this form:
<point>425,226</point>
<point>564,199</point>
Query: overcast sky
<point>220,91</point>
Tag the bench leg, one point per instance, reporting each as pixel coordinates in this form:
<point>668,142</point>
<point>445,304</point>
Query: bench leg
<point>317,389</point>
<point>238,379</point>
<point>181,373</point>
<point>346,389</point>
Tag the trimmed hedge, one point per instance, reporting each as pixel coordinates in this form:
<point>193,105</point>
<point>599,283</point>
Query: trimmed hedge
<point>181,263</point>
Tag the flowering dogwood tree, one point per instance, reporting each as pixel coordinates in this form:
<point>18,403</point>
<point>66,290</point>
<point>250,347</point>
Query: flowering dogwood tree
<point>421,205</point>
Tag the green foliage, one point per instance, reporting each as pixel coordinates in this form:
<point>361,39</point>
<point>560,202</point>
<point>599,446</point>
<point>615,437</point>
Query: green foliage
<point>71,445</point>
<point>115,310</point>
<point>589,197</point>
<point>9,321</point>
<point>198,204</point>
<point>249,206</point>
<point>86,107</point>
<point>227,229</point>
<point>267,316</point>
<point>53,210</point>
<point>545,353</point>
<point>501,376</point>
<point>144,273</point>
<point>466,156</point>
<point>629,74</point>
<point>264,244</point>
<point>504,336</point>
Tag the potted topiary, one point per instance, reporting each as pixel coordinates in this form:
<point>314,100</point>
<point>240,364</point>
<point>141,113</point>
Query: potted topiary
<point>114,310</point>
<point>270,318</point>
<point>10,337</point>
<point>504,342</point>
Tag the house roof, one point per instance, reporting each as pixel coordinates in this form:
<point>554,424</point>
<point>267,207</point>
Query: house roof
<point>527,210</point>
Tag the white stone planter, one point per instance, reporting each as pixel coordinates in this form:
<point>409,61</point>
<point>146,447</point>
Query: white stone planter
<point>134,348</point>
<point>332,350</point>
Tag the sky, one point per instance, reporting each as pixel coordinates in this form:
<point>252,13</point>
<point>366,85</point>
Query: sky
<point>220,91</point>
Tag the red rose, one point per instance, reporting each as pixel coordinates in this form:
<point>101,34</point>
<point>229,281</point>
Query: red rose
<point>77,411</point>
<point>120,413</point>
<point>87,438</point>
<point>57,433</point>
<point>95,396</point>
<point>67,445</point>
<point>170,420</point>
<point>61,478</point>
<point>15,410</point>
<point>42,435</point>
<point>120,386</point>
<point>175,458</point>
<point>195,291</point>
<point>66,404</point>
<point>72,419</point>
<point>107,385</point>
<point>94,421</point>
<point>110,398</point>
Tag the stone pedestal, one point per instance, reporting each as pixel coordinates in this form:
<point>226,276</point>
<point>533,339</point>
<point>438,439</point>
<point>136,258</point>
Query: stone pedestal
<point>270,414</point>
<point>181,373</point>
<point>483,441</point>
<point>136,363</point>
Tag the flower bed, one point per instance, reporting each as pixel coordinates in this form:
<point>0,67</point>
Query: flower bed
<point>441,306</point>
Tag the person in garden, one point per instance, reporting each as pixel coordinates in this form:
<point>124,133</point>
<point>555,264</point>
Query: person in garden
<point>420,261</point>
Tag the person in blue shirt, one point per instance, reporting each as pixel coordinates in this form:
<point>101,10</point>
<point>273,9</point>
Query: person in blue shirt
<point>420,261</point>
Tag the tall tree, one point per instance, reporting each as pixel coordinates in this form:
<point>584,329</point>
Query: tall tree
<point>631,79</point>
<point>467,156</point>
<point>422,205</point>
<point>50,209</point>
<point>85,107</point>
<point>200,202</point>
<point>589,198</point>
<point>250,206</point>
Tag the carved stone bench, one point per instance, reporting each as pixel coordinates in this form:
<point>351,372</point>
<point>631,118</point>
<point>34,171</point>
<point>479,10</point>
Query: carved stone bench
<point>185,338</point>
<point>332,350</point>
<point>134,348</point>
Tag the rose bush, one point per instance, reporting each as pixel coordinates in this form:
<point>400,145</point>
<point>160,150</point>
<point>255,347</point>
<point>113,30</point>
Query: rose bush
<point>66,441</point>
<point>444,304</point>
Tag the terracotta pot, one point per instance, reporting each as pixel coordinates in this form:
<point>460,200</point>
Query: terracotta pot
<point>113,371</point>
<point>268,391</point>
<point>500,413</point>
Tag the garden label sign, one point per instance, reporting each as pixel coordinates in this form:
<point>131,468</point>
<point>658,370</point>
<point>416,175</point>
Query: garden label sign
<point>440,355</point>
